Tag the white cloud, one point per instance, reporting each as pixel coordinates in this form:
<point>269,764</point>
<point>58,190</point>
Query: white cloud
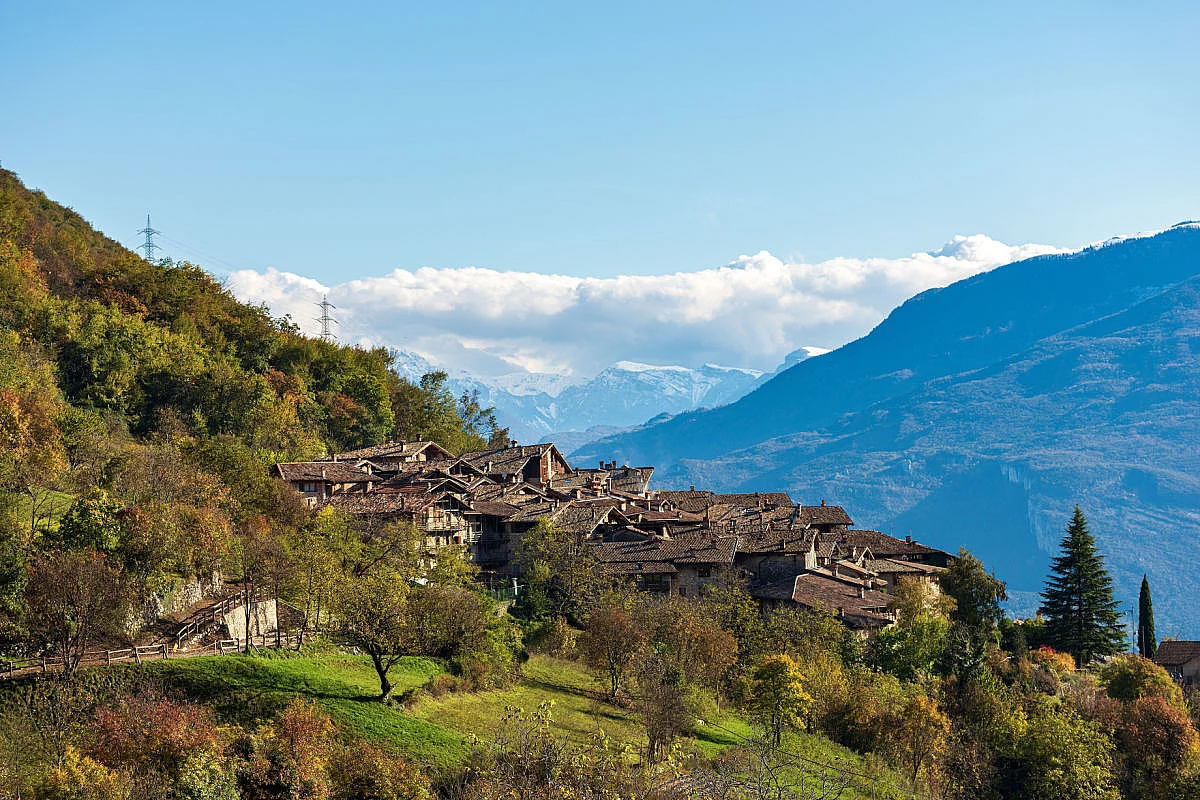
<point>750,313</point>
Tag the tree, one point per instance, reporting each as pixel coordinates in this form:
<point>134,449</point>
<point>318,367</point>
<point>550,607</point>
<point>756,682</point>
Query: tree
<point>664,702</point>
<point>1082,618</point>
<point>1146,642</point>
<point>1130,677</point>
<point>612,642</point>
<point>372,615</point>
<point>907,651</point>
<point>73,597</point>
<point>560,569</point>
<point>918,600</point>
<point>919,735</point>
<point>777,696</point>
<point>258,559</point>
<point>977,594</point>
<point>1158,742</point>
<point>92,521</point>
<point>1065,757</point>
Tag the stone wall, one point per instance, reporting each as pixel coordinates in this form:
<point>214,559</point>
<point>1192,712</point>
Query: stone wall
<point>264,618</point>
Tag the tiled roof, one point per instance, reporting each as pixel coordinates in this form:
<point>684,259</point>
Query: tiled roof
<point>386,502</point>
<point>882,545</point>
<point>641,568</point>
<point>757,500</point>
<point>634,480</point>
<point>331,471</point>
<point>815,590</point>
<point>391,450</point>
<point>506,460</point>
<point>775,542</point>
<point>693,501</point>
<point>687,549</point>
<point>890,566</point>
<point>824,515</point>
<point>494,508</point>
<point>1176,652</point>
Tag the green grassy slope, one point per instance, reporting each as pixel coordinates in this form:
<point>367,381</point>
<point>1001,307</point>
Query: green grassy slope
<point>437,731</point>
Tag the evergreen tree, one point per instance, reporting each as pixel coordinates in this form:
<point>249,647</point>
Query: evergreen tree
<point>1146,642</point>
<point>1082,618</point>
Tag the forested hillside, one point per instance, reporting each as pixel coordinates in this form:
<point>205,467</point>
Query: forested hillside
<point>142,406</point>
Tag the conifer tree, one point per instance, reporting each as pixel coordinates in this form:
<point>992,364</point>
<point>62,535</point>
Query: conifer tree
<point>1082,618</point>
<point>1146,642</point>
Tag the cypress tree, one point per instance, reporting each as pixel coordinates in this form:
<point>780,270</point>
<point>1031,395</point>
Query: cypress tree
<point>1082,618</point>
<point>1147,644</point>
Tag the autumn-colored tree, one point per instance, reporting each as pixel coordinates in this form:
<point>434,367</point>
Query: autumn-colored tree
<point>613,641</point>
<point>139,733</point>
<point>1158,743</point>
<point>1130,677</point>
<point>1059,663</point>
<point>94,521</point>
<point>777,697</point>
<point>919,735</point>
<point>452,566</point>
<point>291,758</point>
<point>462,627</point>
<point>808,633</point>
<point>78,776</point>
<point>683,633</point>
<point>917,600</point>
<point>364,771</point>
<point>72,598</point>
<point>372,615</point>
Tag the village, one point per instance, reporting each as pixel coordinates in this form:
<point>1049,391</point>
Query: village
<point>672,542</point>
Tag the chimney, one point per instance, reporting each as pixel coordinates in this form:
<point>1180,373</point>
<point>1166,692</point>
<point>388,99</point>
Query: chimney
<point>822,501</point>
<point>862,593</point>
<point>602,464</point>
<point>323,476</point>
<point>691,488</point>
<point>908,539</point>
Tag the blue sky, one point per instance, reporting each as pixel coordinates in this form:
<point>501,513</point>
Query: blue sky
<point>342,142</point>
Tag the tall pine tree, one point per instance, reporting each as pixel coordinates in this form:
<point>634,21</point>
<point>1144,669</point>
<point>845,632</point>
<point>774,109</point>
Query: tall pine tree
<point>1147,644</point>
<point>1082,618</point>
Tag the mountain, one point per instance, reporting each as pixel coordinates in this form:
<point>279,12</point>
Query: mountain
<point>980,413</point>
<point>549,407</point>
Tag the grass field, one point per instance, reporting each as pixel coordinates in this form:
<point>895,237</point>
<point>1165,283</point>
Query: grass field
<point>437,731</point>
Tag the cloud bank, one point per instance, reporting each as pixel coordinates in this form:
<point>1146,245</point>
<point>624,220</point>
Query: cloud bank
<point>750,313</point>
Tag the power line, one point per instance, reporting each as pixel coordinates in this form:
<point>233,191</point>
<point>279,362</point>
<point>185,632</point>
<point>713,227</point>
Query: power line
<point>326,320</point>
<point>148,247</point>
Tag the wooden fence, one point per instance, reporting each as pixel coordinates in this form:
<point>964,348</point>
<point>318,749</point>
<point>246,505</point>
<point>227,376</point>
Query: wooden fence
<point>205,618</point>
<point>236,645</point>
<point>21,667</point>
<point>90,658</point>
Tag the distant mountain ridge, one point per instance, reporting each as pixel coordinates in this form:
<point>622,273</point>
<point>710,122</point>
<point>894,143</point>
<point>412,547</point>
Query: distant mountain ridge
<point>540,407</point>
<point>978,414</point>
